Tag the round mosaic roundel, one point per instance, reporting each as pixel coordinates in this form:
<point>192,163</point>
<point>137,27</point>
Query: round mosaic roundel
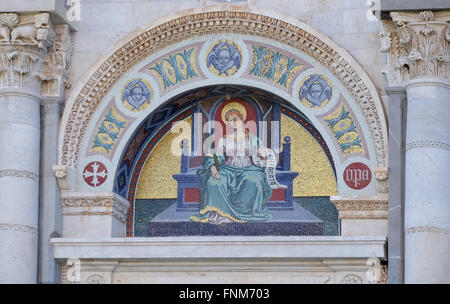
<point>224,59</point>
<point>137,95</point>
<point>315,91</point>
<point>357,176</point>
<point>95,174</point>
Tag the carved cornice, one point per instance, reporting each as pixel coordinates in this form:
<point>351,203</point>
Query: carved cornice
<point>371,208</point>
<point>418,46</point>
<point>24,42</point>
<point>74,203</point>
<point>217,22</point>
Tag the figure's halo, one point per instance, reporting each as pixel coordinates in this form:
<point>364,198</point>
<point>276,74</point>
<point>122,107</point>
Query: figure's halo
<point>234,106</point>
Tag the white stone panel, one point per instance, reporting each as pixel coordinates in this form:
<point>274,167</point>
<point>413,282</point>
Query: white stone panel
<point>354,227</point>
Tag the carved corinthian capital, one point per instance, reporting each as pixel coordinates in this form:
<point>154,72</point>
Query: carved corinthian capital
<point>24,42</point>
<point>57,63</point>
<point>417,46</point>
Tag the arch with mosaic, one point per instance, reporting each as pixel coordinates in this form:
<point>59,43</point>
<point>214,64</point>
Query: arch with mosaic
<point>154,130</point>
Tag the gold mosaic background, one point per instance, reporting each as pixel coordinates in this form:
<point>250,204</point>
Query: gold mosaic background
<point>315,178</point>
<point>156,179</point>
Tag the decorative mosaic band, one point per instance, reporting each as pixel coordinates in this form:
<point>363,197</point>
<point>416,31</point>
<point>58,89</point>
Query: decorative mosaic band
<point>17,227</point>
<point>426,229</point>
<point>19,173</point>
<point>428,144</point>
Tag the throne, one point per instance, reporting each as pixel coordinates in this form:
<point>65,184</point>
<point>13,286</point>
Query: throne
<point>188,192</point>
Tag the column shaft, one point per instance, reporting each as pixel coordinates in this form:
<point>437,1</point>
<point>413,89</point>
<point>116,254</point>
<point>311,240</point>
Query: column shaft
<point>19,187</point>
<point>397,134</point>
<point>427,191</point>
<point>50,214</point>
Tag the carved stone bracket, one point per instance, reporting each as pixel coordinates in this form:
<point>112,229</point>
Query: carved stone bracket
<point>24,42</point>
<point>381,175</point>
<point>63,178</point>
<point>418,46</point>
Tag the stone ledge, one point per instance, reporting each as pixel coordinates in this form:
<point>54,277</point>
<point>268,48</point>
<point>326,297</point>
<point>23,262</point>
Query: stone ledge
<point>57,9</point>
<point>385,6</point>
<point>314,247</point>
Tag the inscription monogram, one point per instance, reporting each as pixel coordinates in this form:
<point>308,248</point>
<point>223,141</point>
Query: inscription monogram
<point>357,176</point>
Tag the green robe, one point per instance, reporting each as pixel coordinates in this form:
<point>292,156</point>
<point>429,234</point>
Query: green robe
<point>240,195</point>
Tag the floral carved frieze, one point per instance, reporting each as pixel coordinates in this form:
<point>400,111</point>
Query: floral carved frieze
<point>100,204</point>
<point>370,208</point>
<point>419,46</point>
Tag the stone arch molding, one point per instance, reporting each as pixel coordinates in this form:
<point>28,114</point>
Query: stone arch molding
<point>80,110</point>
<point>86,110</point>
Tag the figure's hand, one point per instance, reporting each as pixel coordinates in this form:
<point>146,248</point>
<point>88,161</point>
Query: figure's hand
<point>215,173</point>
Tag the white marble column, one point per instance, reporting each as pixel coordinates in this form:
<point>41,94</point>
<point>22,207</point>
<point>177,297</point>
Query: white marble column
<point>427,191</point>
<point>21,63</point>
<point>19,186</point>
<point>419,59</point>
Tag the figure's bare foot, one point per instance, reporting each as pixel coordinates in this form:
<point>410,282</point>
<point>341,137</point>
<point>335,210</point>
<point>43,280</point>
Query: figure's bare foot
<point>223,225</point>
